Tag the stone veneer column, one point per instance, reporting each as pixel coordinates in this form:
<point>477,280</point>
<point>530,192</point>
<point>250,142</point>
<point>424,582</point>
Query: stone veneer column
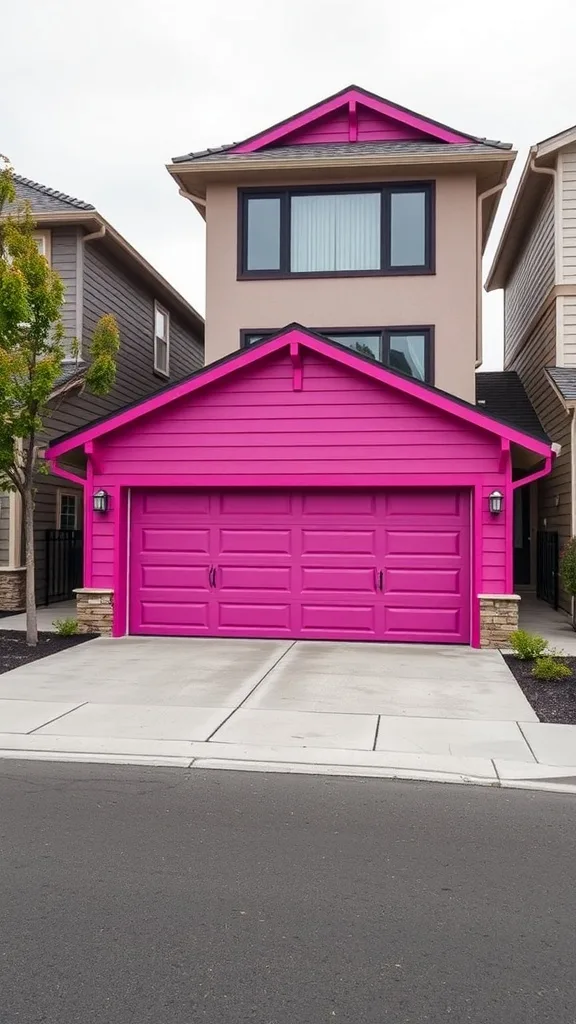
<point>94,610</point>
<point>498,618</point>
<point>12,589</point>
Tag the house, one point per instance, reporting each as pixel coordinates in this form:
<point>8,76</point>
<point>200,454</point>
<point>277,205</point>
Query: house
<point>535,265</point>
<point>161,341</point>
<point>328,474</point>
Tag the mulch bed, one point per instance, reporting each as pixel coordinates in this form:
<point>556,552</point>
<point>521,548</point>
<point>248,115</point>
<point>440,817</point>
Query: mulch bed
<point>14,650</point>
<point>553,702</point>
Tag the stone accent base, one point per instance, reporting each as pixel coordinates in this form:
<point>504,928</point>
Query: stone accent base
<point>12,590</point>
<point>498,618</point>
<point>94,610</point>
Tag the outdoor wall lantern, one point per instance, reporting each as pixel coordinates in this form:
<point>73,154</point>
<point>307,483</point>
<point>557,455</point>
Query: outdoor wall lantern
<point>101,501</point>
<point>495,502</point>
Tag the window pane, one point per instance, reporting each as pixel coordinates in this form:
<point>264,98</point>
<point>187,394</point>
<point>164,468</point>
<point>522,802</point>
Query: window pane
<point>408,354</point>
<point>263,249</point>
<point>161,356</point>
<point>161,325</point>
<point>335,232</point>
<point>408,229</point>
<point>68,516</point>
<point>364,344</point>
<point>251,339</point>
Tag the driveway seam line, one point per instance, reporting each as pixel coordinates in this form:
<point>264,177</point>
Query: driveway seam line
<point>254,688</point>
<point>527,742</point>
<point>57,718</point>
<point>377,731</point>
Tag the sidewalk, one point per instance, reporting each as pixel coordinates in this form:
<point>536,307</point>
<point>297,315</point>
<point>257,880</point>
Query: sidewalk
<point>529,755</point>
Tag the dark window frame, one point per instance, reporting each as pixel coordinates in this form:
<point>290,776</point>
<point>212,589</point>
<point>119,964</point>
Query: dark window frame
<point>385,333</point>
<point>386,189</point>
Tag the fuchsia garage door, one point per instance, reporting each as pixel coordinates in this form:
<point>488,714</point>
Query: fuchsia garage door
<point>347,565</point>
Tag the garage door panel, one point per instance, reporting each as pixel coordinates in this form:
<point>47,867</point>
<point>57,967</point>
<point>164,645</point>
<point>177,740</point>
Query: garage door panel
<point>443,625</point>
<point>183,540</point>
<point>423,581</point>
<point>343,580</point>
<point>241,503</point>
<point>338,542</point>
<point>353,504</point>
<point>174,577</point>
<point>183,614</point>
<point>253,616</point>
<point>269,579</point>
<point>333,619</point>
<point>254,540</point>
<point>173,504</point>
<point>436,503</point>
<point>423,542</point>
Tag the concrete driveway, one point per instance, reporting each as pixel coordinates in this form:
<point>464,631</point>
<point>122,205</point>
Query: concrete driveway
<point>261,693</point>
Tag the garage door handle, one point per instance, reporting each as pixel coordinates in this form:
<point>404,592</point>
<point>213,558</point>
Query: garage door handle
<point>211,571</point>
<point>381,579</point>
<point>214,575</point>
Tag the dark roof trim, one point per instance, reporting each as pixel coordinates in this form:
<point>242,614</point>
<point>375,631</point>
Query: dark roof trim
<point>53,193</point>
<point>240,354</point>
<point>328,99</point>
<point>501,393</point>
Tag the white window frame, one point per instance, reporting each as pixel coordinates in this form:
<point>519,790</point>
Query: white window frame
<point>60,493</point>
<point>158,308</point>
<point>45,238</point>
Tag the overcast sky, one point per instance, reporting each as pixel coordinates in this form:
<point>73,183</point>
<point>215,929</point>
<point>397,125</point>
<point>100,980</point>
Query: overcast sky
<point>96,98</point>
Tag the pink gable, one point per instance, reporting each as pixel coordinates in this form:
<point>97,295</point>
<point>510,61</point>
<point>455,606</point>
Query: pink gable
<point>352,115</point>
<point>341,428</point>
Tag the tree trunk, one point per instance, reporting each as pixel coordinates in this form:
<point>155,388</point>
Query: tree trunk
<point>31,618</point>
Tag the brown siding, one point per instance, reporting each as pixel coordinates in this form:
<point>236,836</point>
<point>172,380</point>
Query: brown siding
<point>539,352</point>
<point>110,288</point>
<point>64,244</point>
<point>531,279</point>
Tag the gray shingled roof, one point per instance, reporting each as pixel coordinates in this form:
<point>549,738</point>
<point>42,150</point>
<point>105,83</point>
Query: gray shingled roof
<point>564,378</point>
<point>343,149</point>
<point>46,200</point>
<point>501,394</point>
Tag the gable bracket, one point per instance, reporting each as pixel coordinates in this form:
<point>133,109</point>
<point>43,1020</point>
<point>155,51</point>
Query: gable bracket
<point>296,359</point>
<point>504,454</point>
<point>353,120</point>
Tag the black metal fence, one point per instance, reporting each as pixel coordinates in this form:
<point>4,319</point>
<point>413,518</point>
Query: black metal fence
<point>63,564</point>
<point>547,567</point>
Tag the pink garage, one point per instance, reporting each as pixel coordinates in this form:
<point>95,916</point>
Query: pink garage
<point>297,489</point>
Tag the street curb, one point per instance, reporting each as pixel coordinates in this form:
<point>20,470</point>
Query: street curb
<point>286,768</point>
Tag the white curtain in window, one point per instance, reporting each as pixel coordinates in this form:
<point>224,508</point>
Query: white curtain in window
<point>335,232</point>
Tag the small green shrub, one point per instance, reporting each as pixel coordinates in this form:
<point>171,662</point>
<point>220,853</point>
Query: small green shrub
<point>527,646</point>
<point>549,669</point>
<point>568,566</point>
<point>66,627</point>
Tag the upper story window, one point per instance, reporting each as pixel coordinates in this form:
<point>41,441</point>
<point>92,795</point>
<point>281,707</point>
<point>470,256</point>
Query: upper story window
<point>42,239</point>
<point>161,340</point>
<point>409,350</point>
<point>351,231</point>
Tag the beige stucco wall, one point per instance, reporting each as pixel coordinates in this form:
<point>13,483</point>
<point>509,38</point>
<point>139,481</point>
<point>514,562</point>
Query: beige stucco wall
<point>446,299</point>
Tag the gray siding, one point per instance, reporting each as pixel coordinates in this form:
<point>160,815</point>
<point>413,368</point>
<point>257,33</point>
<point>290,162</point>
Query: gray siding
<point>110,288</point>
<point>4,528</point>
<point>568,321</point>
<point>64,244</point>
<point>532,278</point>
<point>539,352</point>
<point>567,173</point>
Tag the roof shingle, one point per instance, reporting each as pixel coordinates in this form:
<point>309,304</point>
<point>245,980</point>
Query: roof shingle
<point>342,149</point>
<point>501,394</point>
<point>564,377</point>
<point>46,200</point>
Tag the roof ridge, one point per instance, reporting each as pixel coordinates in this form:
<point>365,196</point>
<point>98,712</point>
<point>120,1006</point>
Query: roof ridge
<point>53,193</point>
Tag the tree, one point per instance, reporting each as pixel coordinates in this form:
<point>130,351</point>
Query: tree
<point>31,353</point>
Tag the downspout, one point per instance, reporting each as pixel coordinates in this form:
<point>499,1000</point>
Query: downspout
<point>483,195</point>
<point>540,472</point>
<point>558,273</point>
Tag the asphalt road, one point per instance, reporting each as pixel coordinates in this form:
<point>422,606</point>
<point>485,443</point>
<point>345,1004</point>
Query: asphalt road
<point>159,896</point>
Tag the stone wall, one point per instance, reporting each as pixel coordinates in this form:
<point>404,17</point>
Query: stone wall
<point>12,590</point>
<point>498,618</point>
<point>94,610</point>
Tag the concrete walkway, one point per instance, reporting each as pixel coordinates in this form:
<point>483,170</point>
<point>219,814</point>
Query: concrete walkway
<point>46,616</point>
<point>555,626</point>
<point>442,713</point>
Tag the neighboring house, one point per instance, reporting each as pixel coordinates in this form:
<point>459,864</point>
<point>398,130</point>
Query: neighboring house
<point>162,340</point>
<point>535,265</point>
<point>333,478</point>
